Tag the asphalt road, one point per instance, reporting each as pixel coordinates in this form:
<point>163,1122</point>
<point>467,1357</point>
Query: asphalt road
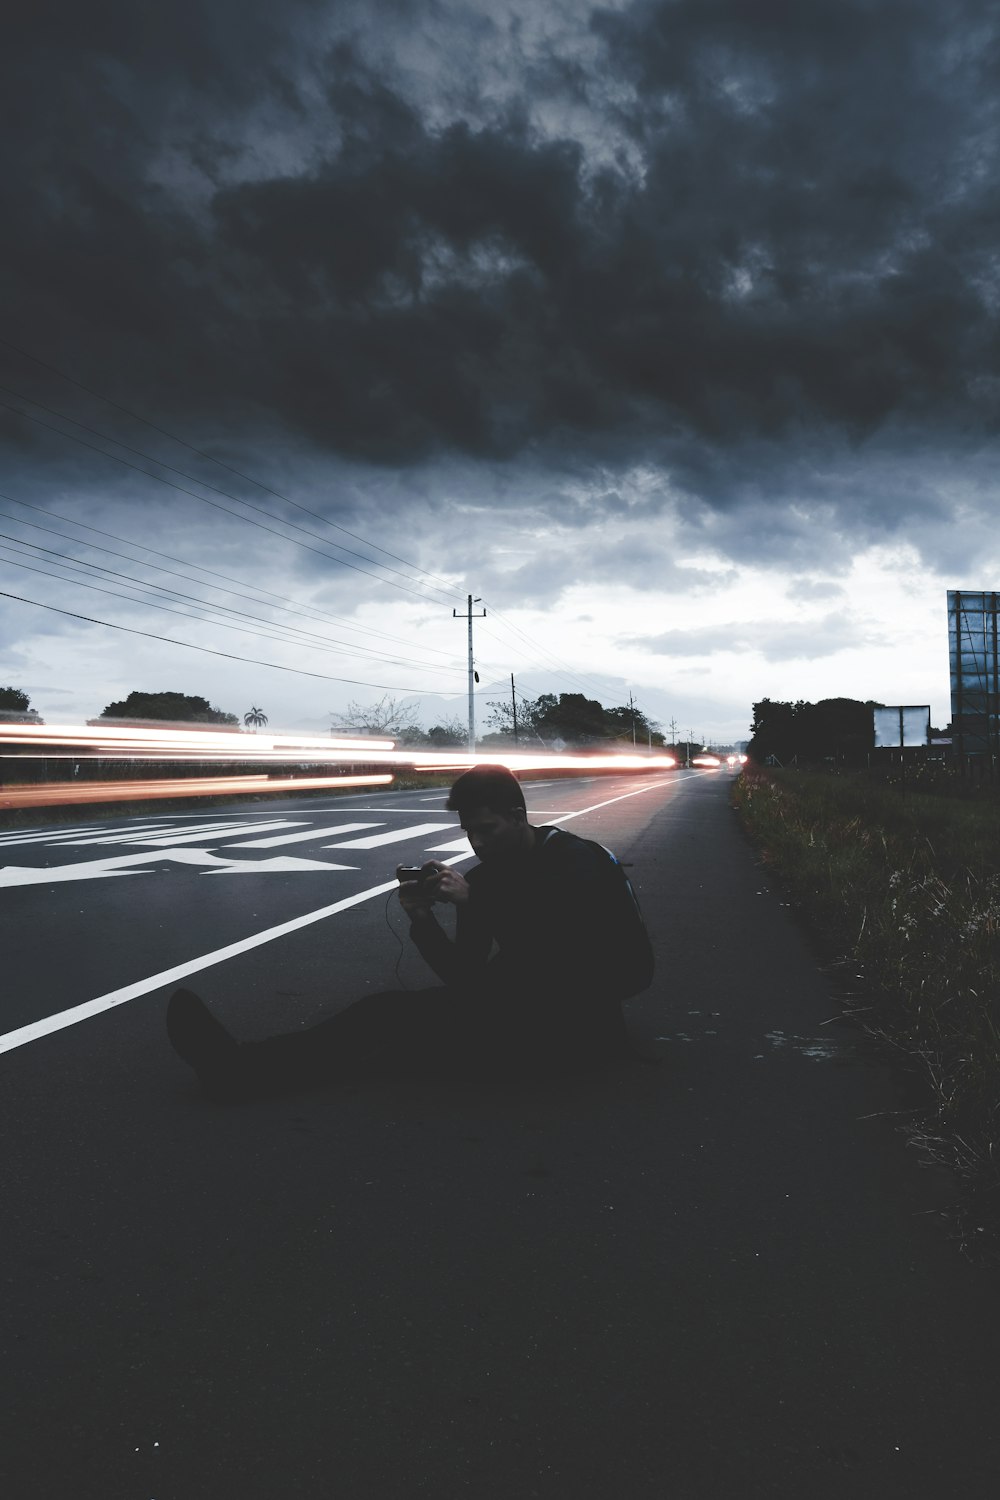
<point>723,1276</point>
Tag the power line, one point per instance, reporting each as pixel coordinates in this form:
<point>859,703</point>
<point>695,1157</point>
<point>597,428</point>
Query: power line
<point>580,680</point>
<point>563,667</point>
<point>165,608</point>
<point>307,636</point>
<point>310,612</point>
<point>71,380</point>
<point>557,663</point>
<point>229,656</point>
<point>181,489</point>
<point>105,437</point>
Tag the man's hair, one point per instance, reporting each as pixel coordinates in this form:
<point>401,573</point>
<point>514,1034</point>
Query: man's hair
<point>487,786</point>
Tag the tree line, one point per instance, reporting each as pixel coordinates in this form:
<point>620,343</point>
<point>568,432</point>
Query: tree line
<point>572,719</point>
<point>837,729</point>
<point>568,720</point>
<point>182,708</point>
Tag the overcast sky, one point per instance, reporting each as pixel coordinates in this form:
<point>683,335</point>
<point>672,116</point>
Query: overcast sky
<point>667,328</point>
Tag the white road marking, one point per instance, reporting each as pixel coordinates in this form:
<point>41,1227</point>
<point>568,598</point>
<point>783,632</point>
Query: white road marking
<point>108,830</point>
<point>26,838</point>
<point>138,834</point>
<point>278,864</point>
<point>396,836</point>
<point>385,811</point>
<point>89,1008</point>
<point>565,817</point>
<point>215,835</point>
<point>462,843</point>
<point>126,864</point>
<point>301,838</point>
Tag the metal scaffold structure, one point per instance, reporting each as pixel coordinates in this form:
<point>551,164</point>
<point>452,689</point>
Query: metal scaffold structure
<point>975,676</point>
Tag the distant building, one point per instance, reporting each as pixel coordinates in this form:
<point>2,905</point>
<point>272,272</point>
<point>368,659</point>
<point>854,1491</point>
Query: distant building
<point>975,678</point>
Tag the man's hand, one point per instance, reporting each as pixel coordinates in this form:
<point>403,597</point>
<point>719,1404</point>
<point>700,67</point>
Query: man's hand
<point>449,886</point>
<point>437,883</point>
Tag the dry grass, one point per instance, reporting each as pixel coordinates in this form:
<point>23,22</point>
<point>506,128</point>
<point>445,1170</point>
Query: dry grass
<point>905,892</point>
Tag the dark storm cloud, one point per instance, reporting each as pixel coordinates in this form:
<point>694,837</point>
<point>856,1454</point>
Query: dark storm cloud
<point>786,251</point>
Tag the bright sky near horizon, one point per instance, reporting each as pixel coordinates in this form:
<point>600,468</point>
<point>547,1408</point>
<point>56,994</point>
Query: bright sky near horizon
<point>666,328</point>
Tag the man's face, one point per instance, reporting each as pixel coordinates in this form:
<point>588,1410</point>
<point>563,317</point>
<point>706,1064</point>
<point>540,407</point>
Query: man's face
<point>495,835</point>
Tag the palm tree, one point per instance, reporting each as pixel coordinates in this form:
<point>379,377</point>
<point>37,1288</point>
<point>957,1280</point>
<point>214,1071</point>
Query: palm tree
<point>256,718</point>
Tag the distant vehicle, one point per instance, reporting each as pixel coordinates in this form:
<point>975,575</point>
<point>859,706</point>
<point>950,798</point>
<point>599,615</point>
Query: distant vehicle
<point>736,760</point>
<point>706,762</point>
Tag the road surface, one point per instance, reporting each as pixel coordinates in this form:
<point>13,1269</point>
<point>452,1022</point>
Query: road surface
<point>723,1276</point>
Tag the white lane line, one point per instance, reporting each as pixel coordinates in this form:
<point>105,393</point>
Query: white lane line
<point>396,836</point>
<point>90,1008</point>
<point>462,843</point>
<point>565,817</point>
<point>301,838</point>
<point>167,841</point>
<point>385,811</point>
<point>93,836</point>
<point>66,836</point>
<point>127,864</point>
<point>139,833</point>
<point>26,838</point>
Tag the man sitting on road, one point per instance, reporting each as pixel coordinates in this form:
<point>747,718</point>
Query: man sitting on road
<point>572,946</point>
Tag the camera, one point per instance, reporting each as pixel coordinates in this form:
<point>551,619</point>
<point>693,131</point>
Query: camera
<point>409,872</point>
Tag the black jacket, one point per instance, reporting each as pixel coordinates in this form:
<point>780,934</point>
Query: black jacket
<point>570,940</point>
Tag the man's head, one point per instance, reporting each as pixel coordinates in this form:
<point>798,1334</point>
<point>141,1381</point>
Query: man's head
<point>490,804</point>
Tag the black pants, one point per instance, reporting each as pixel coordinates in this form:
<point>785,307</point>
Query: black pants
<point>433,1032</point>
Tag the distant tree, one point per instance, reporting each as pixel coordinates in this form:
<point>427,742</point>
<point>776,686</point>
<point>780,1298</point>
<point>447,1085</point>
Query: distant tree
<point>15,707</point>
<point>834,729</point>
<point>502,725</point>
<point>772,731</point>
<point>572,718</point>
<point>579,721</point>
<point>255,719</point>
<point>620,723</point>
<point>501,717</point>
<point>175,707</point>
<point>449,734</point>
<point>388,717</point>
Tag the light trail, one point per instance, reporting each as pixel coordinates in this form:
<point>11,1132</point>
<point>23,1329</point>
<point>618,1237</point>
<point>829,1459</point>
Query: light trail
<point>93,745</point>
<point>66,793</point>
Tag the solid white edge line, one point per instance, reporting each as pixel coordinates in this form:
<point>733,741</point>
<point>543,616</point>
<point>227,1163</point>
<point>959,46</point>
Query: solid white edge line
<point>64,1018</point>
<point>583,810</point>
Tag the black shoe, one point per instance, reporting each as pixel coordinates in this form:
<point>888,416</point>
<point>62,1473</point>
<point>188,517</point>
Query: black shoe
<point>202,1041</point>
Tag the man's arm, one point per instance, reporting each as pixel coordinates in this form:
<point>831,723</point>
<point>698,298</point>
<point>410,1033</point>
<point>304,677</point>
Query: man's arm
<point>456,963</point>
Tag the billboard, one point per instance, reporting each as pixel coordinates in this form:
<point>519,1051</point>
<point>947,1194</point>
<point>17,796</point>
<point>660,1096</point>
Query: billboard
<point>972,653</point>
<point>908,724</point>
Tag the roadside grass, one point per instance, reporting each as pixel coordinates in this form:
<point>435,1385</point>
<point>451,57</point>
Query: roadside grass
<point>904,894</point>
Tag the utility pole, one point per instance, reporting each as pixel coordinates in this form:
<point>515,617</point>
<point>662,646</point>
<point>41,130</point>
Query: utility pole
<point>513,704</point>
<point>473,675</point>
<point>673,732</point>
<point>631,704</point>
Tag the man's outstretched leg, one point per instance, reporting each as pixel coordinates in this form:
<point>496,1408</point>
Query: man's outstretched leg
<point>394,1029</point>
<point>203,1042</point>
